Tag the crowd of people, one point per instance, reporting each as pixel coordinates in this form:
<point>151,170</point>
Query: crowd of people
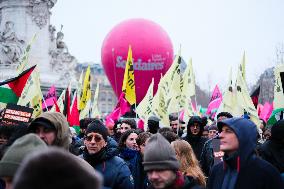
<point>229,153</point>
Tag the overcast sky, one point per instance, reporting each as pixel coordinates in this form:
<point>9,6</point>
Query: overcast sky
<point>215,33</point>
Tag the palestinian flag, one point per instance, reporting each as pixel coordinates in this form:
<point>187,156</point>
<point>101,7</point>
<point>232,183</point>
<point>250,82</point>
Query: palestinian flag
<point>11,89</point>
<point>276,115</point>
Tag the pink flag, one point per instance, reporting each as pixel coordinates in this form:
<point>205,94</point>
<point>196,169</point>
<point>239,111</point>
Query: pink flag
<point>113,116</point>
<point>50,98</point>
<point>266,111</point>
<point>259,109</point>
<point>123,104</point>
<point>74,117</point>
<point>140,124</point>
<point>181,115</point>
<point>215,101</point>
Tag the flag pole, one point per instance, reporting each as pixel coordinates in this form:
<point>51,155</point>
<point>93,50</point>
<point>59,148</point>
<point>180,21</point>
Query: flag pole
<point>113,61</point>
<point>44,103</point>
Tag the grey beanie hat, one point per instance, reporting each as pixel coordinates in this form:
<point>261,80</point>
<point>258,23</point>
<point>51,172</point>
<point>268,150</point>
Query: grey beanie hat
<point>17,152</point>
<point>159,154</point>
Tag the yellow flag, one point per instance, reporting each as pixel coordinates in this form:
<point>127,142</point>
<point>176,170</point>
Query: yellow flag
<point>32,93</point>
<point>86,93</point>
<point>190,80</point>
<point>188,89</point>
<point>160,104</point>
<point>24,62</point>
<point>244,101</point>
<point>278,89</point>
<point>128,86</point>
<point>168,88</point>
<point>243,67</point>
<point>175,92</point>
<point>79,88</point>
<point>36,104</point>
<point>86,111</point>
<point>95,107</point>
<point>144,109</point>
<point>229,98</point>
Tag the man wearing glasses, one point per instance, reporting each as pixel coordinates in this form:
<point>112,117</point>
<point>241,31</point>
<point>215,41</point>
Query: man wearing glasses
<point>102,156</point>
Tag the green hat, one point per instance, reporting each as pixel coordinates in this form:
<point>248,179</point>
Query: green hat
<point>17,152</point>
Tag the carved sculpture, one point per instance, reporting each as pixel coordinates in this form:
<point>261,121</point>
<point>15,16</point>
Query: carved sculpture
<point>11,48</point>
<point>62,62</point>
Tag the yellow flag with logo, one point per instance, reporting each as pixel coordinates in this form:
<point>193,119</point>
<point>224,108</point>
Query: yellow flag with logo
<point>128,86</point>
<point>244,101</point>
<point>229,98</point>
<point>86,93</point>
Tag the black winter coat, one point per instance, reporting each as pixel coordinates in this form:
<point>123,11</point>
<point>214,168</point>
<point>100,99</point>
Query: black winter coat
<point>242,169</point>
<point>273,152</point>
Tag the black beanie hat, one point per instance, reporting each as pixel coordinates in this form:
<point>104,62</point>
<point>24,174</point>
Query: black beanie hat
<point>277,131</point>
<point>159,154</point>
<point>97,127</point>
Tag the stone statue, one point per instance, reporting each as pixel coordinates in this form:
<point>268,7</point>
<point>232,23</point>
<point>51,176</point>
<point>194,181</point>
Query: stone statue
<point>59,41</point>
<point>62,62</point>
<point>11,48</point>
<point>51,30</point>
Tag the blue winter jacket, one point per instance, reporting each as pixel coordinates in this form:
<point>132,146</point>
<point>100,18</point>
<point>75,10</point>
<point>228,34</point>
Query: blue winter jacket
<point>242,169</point>
<point>114,170</point>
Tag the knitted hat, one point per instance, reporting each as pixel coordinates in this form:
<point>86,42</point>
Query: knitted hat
<point>159,154</point>
<point>97,127</point>
<point>54,168</point>
<point>213,127</point>
<point>17,152</point>
<point>154,118</point>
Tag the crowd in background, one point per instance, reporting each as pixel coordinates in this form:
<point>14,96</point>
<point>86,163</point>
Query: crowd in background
<point>47,153</point>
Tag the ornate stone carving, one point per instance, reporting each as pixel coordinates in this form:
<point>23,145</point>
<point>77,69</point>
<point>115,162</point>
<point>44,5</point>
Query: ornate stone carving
<point>40,11</point>
<point>11,48</point>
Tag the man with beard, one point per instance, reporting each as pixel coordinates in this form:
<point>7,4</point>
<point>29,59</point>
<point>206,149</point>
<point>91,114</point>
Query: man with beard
<point>162,167</point>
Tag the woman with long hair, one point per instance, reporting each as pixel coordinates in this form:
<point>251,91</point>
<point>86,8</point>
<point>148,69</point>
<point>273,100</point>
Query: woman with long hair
<point>189,165</point>
<point>128,148</point>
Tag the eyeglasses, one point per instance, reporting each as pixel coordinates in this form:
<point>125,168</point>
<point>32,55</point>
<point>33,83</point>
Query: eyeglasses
<point>90,138</point>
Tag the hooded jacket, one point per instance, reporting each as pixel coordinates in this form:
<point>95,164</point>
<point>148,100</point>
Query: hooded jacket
<point>114,170</point>
<point>196,141</point>
<point>63,134</point>
<point>242,169</point>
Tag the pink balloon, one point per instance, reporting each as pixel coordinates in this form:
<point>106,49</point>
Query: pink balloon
<point>152,54</point>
